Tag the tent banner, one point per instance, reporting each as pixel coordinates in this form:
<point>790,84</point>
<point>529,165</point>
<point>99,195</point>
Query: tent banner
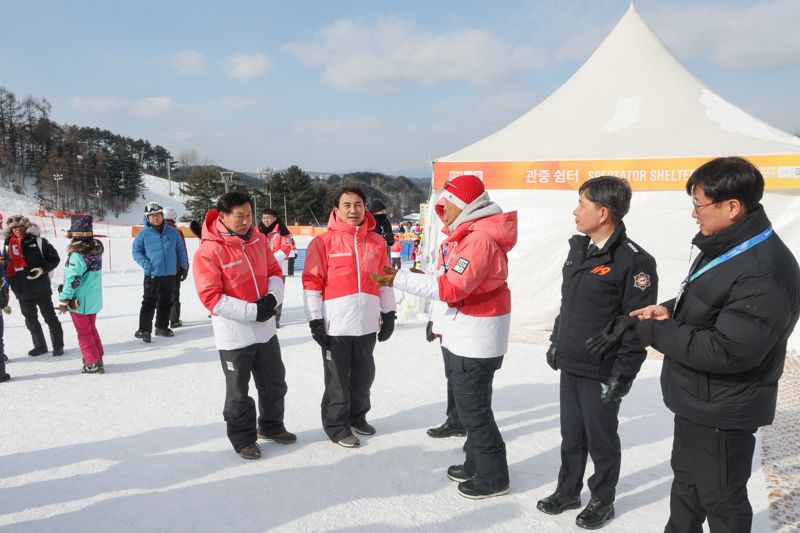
<point>666,174</point>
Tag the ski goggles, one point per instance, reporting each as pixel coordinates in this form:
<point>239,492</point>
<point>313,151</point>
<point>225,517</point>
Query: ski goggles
<point>153,208</point>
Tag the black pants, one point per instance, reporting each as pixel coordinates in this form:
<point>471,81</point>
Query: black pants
<point>263,361</point>
<point>472,379</point>
<point>290,267</point>
<point>349,373</point>
<point>711,468</point>
<point>45,305</point>
<point>2,346</point>
<point>451,412</point>
<point>157,300</point>
<point>588,426</point>
<point>175,310</point>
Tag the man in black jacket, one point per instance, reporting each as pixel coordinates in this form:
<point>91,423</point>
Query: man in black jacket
<point>30,260</point>
<point>724,344</point>
<point>605,274</point>
<point>382,225</point>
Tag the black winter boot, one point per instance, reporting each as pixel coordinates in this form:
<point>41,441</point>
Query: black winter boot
<point>556,503</point>
<point>595,515</point>
<point>144,335</point>
<point>164,332</point>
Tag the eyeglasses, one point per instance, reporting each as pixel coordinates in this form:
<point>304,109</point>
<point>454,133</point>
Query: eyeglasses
<point>153,207</point>
<point>697,208</point>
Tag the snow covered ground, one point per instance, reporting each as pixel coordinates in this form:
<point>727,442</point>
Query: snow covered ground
<point>143,447</point>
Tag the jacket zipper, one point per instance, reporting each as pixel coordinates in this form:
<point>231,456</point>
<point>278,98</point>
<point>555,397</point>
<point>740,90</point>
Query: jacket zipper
<point>358,267</point>
<point>252,273</point>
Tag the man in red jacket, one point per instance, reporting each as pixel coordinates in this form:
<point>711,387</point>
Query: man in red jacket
<point>345,309</point>
<point>474,328</point>
<point>239,281</point>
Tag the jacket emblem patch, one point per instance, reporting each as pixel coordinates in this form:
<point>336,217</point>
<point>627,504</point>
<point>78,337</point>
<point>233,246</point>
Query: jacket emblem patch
<point>232,263</point>
<point>602,270</point>
<point>460,266</point>
<point>641,281</point>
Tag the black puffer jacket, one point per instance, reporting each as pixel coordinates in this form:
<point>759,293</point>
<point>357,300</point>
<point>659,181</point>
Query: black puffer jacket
<point>613,281</point>
<point>726,343</point>
<point>24,288</point>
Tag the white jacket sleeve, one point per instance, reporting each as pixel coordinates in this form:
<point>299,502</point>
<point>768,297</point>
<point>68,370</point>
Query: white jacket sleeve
<point>235,309</point>
<point>312,303</point>
<point>425,285</point>
<point>388,302</point>
<point>275,287</point>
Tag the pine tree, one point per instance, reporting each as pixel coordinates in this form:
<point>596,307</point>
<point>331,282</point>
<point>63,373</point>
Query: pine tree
<point>203,186</point>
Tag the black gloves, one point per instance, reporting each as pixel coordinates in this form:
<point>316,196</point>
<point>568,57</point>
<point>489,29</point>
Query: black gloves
<point>318,332</point>
<point>614,389</point>
<point>266,308</point>
<point>183,273</point>
<point>430,336</point>
<point>551,356</point>
<point>611,335</point>
<point>387,326</point>
<point>646,331</point>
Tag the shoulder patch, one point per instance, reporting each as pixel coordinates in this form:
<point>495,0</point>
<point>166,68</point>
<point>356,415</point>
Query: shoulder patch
<point>461,265</point>
<point>641,281</point>
<point>633,248</point>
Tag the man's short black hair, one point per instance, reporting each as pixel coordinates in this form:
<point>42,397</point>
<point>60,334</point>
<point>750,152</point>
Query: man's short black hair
<point>349,190</point>
<point>230,200</point>
<point>270,211</point>
<point>729,178</point>
<point>611,192</point>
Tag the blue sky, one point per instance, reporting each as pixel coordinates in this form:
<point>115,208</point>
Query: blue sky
<point>362,85</point>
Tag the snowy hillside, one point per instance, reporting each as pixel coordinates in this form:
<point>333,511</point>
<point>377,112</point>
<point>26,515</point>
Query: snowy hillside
<point>157,190</point>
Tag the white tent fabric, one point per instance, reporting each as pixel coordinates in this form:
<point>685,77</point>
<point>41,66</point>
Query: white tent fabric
<point>631,99</point>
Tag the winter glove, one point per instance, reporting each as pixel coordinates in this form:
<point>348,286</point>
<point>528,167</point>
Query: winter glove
<point>430,336</point>
<point>551,356</point>
<point>183,273</point>
<point>646,331</point>
<point>266,308</point>
<point>35,273</point>
<point>387,278</point>
<point>614,389</point>
<point>611,335</point>
<point>318,332</point>
<point>387,326</point>
<point>68,305</point>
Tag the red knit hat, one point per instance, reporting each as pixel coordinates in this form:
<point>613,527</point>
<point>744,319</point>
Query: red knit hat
<point>463,190</point>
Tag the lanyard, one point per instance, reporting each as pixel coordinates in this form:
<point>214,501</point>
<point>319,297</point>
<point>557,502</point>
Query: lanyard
<point>444,255</point>
<point>730,254</point>
<point>733,252</point>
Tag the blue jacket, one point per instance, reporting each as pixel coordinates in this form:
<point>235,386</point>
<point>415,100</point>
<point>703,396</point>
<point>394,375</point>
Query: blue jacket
<point>159,253</point>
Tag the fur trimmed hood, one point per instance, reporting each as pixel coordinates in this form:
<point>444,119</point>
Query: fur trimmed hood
<point>86,247</point>
<point>33,230</point>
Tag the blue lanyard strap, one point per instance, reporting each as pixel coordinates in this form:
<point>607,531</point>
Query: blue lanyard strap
<point>733,252</point>
<point>444,255</point>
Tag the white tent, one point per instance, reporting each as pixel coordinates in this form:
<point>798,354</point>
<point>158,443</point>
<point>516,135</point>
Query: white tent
<point>631,110</point>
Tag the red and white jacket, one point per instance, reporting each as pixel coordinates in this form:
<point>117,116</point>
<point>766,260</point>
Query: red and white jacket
<point>231,273</point>
<point>471,280</point>
<point>281,246</point>
<point>336,278</point>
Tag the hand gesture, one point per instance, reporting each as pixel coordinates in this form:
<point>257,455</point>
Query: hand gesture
<point>387,278</point>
